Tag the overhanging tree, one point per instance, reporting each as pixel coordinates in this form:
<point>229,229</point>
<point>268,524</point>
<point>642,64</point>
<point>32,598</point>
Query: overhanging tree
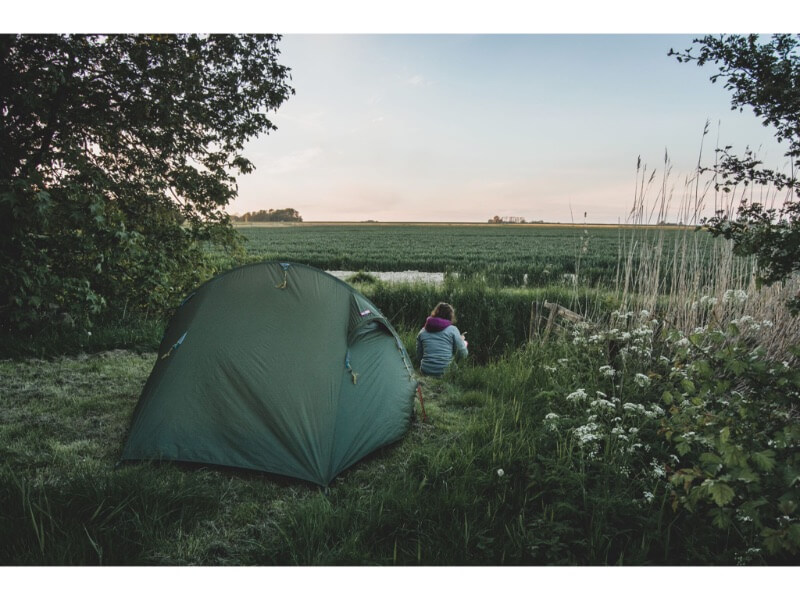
<point>764,75</point>
<point>118,155</point>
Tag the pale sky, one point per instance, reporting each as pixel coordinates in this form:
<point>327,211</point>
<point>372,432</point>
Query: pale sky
<point>534,121</point>
<point>462,127</point>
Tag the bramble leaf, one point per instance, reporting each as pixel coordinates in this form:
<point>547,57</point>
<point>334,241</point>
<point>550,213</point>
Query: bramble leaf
<point>764,460</point>
<point>721,493</point>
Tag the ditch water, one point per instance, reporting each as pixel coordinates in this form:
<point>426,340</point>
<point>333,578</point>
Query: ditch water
<point>397,276</point>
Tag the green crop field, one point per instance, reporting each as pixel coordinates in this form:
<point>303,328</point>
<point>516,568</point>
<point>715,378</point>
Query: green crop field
<point>514,255</point>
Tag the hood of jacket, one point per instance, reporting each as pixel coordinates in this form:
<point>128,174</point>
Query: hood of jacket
<point>434,324</point>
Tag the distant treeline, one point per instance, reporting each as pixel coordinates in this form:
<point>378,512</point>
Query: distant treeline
<point>281,214</point>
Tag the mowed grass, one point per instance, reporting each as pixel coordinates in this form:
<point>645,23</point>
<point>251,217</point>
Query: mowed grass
<point>481,482</point>
<point>488,479</point>
<point>63,502</point>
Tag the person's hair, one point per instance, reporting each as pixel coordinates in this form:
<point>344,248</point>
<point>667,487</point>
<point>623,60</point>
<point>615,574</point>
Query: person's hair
<point>444,311</point>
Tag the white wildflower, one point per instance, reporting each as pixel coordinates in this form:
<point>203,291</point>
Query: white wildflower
<point>549,369</point>
<point>634,448</point>
<point>708,301</point>
<point>607,371</point>
<point>550,416</point>
<point>586,433</point>
<point>658,468</point>
<point>734,297</point>
<point>641,380</point>
<point>577,395</point>
<point>621,315</point>
<point>649,497</point>
<point>602,403</point>
<point>500,472</point>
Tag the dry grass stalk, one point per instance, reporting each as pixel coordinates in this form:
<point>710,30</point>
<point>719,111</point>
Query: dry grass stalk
<point>695,281</point>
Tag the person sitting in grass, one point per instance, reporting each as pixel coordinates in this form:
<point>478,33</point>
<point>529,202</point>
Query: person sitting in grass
<point>439,341</point>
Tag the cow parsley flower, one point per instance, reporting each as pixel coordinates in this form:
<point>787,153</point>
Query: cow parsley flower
<point>602,403</point>
<point>577,395</point>
<point>641,380</point>
<point>707,301</point>
<point>587,433</point>
<point>607,371</point>
<point>734,297</point>
<point>658,468</point>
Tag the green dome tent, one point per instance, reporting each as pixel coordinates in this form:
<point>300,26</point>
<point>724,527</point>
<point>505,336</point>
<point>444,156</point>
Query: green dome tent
<point>277,367</point>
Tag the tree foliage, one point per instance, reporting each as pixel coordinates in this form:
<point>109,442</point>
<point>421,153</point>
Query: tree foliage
<point>764,75</point>
<point>118,155</point>
<point>263,216</point>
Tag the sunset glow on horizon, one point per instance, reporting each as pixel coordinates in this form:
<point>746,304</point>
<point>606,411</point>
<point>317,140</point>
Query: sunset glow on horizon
<point>464,127</point>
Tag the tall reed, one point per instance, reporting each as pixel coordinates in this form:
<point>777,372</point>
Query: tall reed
<point>699,281</point>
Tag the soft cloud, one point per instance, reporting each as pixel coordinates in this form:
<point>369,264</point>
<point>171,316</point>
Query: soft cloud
<point>417,81</point>
<point>295,161</point>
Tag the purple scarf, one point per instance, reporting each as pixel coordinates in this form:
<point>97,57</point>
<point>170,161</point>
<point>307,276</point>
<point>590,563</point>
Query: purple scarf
<point>434,324</point>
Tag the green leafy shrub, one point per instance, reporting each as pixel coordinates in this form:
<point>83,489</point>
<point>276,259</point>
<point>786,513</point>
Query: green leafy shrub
<point>362,277</point>
<point>732,420</point>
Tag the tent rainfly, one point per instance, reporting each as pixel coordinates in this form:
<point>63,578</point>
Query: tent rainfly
<point>277,367</point>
